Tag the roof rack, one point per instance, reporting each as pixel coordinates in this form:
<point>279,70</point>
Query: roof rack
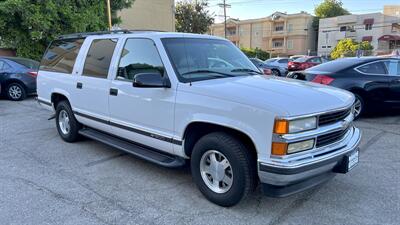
<point>86,34</point>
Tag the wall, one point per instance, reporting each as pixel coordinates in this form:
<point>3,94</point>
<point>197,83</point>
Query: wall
<point>146,14</point>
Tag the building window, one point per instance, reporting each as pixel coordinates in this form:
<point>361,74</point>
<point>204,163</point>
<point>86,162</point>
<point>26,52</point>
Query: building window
<point>323,46</point>
<point>343,28</point>
<point>290,27</point>
<point>279,27</point>
<point>290,44</point>
<point>368,26</point>
<point>277,44</point>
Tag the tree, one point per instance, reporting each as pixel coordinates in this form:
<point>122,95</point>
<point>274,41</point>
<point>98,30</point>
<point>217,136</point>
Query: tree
<point>348,48</point>
<point>193,17</point>
<point>28,26</point>
<point>328,8</point>
<point>255,53</point>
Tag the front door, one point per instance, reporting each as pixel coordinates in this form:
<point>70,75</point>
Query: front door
<point>143,115</point>
<point>92,86</point>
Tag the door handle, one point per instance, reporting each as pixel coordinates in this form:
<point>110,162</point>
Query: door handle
<point>113,91</point>
<point>79,85</point>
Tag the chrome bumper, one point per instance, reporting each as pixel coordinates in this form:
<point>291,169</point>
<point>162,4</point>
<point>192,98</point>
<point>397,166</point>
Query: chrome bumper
<point>317,166</point>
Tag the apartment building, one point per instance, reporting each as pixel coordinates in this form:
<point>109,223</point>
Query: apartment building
<point>145,14</point>
<point>382,30</point>
<point>280,34</point>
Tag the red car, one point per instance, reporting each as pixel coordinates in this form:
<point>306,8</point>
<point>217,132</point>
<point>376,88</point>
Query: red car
<point>303,63</point>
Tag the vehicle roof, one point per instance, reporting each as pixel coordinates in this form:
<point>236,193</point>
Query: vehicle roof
<point>137,33</point>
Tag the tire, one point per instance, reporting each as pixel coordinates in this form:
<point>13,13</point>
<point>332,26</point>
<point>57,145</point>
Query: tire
<point>241,170</point>
<point>276,73</point>
<point>16,92</point>
<point>67,125</point>
<point>360,107</point>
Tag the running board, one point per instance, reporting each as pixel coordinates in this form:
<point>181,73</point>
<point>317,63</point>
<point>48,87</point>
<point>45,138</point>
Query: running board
<point>162,159</point>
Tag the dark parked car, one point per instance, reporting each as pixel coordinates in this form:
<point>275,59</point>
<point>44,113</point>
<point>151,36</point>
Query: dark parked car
<point>306,62</point>
<point>17,77</point>
<point>374,81</point>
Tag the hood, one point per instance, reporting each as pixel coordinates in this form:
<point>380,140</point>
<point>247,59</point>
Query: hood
<point>286,97</point>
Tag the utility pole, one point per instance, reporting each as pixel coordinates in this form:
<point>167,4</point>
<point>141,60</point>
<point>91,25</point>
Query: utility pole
<point>109,14</point>
<point>224,5</point>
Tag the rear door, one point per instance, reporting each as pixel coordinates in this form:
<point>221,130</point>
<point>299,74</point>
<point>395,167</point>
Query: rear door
<point>92,85</point>
<point>394,75</point>
<point>376,80</point>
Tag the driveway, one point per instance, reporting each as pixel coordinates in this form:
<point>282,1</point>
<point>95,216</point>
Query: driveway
<point>44,180</point>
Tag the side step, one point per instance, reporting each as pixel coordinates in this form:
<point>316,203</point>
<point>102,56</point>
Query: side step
<point>148,154</point>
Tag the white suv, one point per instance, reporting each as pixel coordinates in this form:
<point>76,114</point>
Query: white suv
<point>174,98</point>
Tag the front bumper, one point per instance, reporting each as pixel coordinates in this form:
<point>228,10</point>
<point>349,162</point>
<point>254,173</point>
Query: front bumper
<point>283,180</point>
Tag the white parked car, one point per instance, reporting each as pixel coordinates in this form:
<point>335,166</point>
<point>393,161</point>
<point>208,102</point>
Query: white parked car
<point>171,99</point>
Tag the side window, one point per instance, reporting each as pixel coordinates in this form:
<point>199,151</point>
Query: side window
<point>393,67</point>
<point>139,56</point>
<point>98,59</point>
<point>374,68</point>
<point>283,61</point>
<point>61,55</point>
<point>315,60</point>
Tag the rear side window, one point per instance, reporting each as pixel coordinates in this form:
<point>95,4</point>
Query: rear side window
<point>98,59</point>
<point>376,68</point>
<point>61,55</point>
<point>315,60</point>
<point>283,61</point>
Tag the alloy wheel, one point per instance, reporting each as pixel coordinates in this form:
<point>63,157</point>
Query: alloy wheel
<point>216,171</point>
<point>63,122</point>
<point>15,92</point>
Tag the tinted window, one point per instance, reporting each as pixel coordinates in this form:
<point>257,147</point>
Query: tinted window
<point>61,55</point>
<point>139,56</point>
<point>28,63</point>
<point>98,58</point>
<point>393,67</point>
<point>373,68</point>
<point>301,59</point>
<point>335,65</point>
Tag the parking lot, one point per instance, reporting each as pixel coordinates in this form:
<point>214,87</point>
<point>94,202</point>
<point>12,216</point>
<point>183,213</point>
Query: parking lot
<point>44,180</point>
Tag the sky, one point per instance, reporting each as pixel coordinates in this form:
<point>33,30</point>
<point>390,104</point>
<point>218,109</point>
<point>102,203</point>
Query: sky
<point>250,9</point>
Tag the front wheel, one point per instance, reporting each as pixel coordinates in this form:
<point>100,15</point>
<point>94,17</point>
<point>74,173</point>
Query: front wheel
<point>67,126</point>
<point>276,73</point>
<point>223,169</point>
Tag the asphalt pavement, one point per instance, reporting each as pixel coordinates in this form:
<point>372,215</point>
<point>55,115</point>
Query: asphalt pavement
<point>44,180</point>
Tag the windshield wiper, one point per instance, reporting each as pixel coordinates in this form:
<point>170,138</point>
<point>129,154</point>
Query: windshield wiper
<point>246,70</point>
<point>208,71</point>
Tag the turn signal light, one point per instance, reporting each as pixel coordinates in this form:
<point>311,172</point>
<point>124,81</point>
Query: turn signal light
<point>281,127</point>
<point>279,148</point>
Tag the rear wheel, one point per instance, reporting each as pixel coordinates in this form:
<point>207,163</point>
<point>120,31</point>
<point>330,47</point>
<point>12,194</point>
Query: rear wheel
<point>359,106</point>
<point>67,126</point>
<point>276,72</point>
<point>223,169</point>
<point>16,92</point>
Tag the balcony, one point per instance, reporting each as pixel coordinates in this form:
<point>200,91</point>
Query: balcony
<point>350,34</point>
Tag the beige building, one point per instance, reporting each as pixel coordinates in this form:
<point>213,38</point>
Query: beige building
<point>146,14</point>
<point>280,34</point>
<point>382,30</point>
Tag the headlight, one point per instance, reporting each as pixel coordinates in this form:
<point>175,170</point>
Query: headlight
<point>295,126</point>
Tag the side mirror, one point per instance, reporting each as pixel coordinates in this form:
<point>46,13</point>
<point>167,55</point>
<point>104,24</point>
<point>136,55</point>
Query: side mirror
<point>151,80</point>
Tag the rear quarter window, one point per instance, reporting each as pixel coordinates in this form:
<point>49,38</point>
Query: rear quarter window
<point>61,55</point>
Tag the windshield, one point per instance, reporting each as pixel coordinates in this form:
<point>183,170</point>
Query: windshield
<point>301,59</point>
<point>196,59</point>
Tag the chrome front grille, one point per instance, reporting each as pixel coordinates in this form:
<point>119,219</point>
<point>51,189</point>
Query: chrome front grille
<point>327,139</point>
<point>333,117</point>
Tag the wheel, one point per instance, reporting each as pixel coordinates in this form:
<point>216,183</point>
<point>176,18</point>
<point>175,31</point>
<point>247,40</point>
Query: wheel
<point>16,92</point>
<point>67,126</point>
<point>276,73</point>
<point>359,106</point>
<point>223,169</point>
